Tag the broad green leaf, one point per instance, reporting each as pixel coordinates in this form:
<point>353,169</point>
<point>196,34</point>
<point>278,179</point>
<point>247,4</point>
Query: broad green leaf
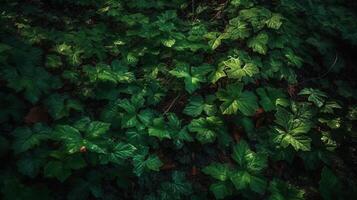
<point>120,152</point>
<point>53,61</point>
<point>124,151</point>
<point>315,96</point>
<point>241,180</point>
<point>75,161</point>
<point>207,129</point>
<point>142,161</point>
<point>26,139</point>
<point>329,142</point>
<point>240,151</point>
<point>236,70</point>
<point>259,43</point>
<point>177,188</point>
<point>159,129</point>
<point>177,132</point>
<point>237,29</point>
<point>153,163</point>
<point>275,21</point>
<point>56,169</point>
<point>293,129</point>
<point>97,129</point>
<point>234,99</point>
<point>270,98</point>
<point>215,39</point>
<point>30,164</point>
<point>251,165</point>
<point>329,186</point>
<point>293,59</point>
<point>297,140</point>
<point>59,106</point>
<point>248,159</point>
<point>168,42</point>
<point>221,190</point>
<point>244,180</point>
<point>243,3</point>
<point>193,76</point>
<point>217,73</point>
<point>330,106</point>
<point>218,171</point>
<point>71,137</point>
<point>280,190</point>
<point>115,73</point>
<point>33,81</point>
<point>197,105</point>
<point>332,123</point>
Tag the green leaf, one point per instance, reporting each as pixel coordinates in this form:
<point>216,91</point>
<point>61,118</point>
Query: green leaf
<point>315,96</point>
<point>153,163</point>
<point>193,76</point>
<point>293,59</point>
<point>330,106</point>
<point>217,73</point>
<point>207,129</point>
<point>33,81</point>
<point>59,106</point>
<point>244,180</point>
<point>235,99</point>
<point>251,165</point>
<point>168,42</point>
<point>215,39</point>
<point>159,129</point>
<point>216,43</point>
<point>197,105</point>
<point>120,152</point>
<point>124,151</point>
<point>235,70</point>
<point>283,191</point>
<point>243,3</point>
<point>71,137</point>
<point>142,161</point>
<point>275,21</point>
<point>298,141</point>
<point>26,139</point>
<point>177,188</point>
<point>237,29</point>
<point>115,73</point>
<point>270,98</point>
<point>292,130</point>
<point>221,190</point>
<point>218,171</point>
<point>177,132</point>
<point>131,107</point>
<point>30,165</point>
<point>53,61</point>
<point>75,161</point>
<point>96,129</point>
<point>259,43</point>
<point>329,186</point>
<point>248,159</point>
<point>56,169</point>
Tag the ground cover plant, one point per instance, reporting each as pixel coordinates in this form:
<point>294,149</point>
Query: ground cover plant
<point>179,99</point>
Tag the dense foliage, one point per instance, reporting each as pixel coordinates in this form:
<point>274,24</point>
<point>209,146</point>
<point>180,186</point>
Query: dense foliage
<point>178,99</point>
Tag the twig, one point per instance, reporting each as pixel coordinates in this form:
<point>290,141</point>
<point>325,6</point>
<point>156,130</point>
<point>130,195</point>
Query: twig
<point>171,104</point>
<point>323,75</point>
